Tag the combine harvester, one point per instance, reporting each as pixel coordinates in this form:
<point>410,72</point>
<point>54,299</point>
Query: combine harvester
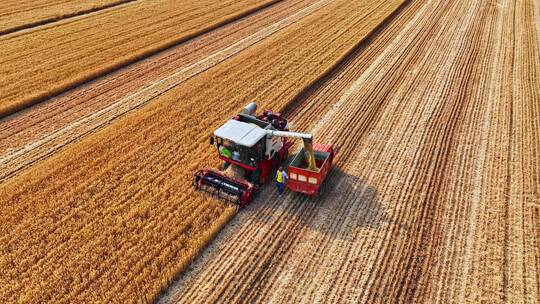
<point>252,148</point>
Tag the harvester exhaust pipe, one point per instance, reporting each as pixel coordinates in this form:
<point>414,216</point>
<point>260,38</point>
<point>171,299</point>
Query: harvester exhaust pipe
<point>250,109</point>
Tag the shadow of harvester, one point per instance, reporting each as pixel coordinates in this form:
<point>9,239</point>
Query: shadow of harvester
<point>345,205</point>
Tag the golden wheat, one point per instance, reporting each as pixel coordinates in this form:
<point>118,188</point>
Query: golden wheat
<point>18,15</point>
<point>44,61</point>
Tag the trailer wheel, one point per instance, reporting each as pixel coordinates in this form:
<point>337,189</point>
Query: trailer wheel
<point>322,188</point>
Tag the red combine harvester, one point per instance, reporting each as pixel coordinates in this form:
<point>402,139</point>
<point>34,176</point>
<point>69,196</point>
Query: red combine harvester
<point>252,148</point>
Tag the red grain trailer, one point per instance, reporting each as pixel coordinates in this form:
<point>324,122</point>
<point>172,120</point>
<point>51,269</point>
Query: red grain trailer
<point>306,181</point>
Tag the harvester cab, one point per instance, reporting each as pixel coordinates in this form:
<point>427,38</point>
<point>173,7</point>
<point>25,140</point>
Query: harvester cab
<point>251,149</point>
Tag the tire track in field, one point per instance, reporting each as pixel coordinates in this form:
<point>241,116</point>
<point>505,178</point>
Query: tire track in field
<point>408,116</point>
<point>21,157</point>
<point>522,278</point>
<point>478,180</point>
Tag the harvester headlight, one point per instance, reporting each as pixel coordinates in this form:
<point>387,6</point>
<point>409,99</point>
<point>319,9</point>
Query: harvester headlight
<point>293,175</point>
<point>313,180</point>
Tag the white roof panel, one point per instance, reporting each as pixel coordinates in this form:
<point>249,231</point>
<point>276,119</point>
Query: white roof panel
<point>241,133</point>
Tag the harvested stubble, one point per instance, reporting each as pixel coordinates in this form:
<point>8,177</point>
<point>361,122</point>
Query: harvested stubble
<point>114,217</point>
<point>48,60</point>
<point>16,15</point>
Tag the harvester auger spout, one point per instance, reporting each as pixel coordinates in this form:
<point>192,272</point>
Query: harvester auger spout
<point>308,144</point>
